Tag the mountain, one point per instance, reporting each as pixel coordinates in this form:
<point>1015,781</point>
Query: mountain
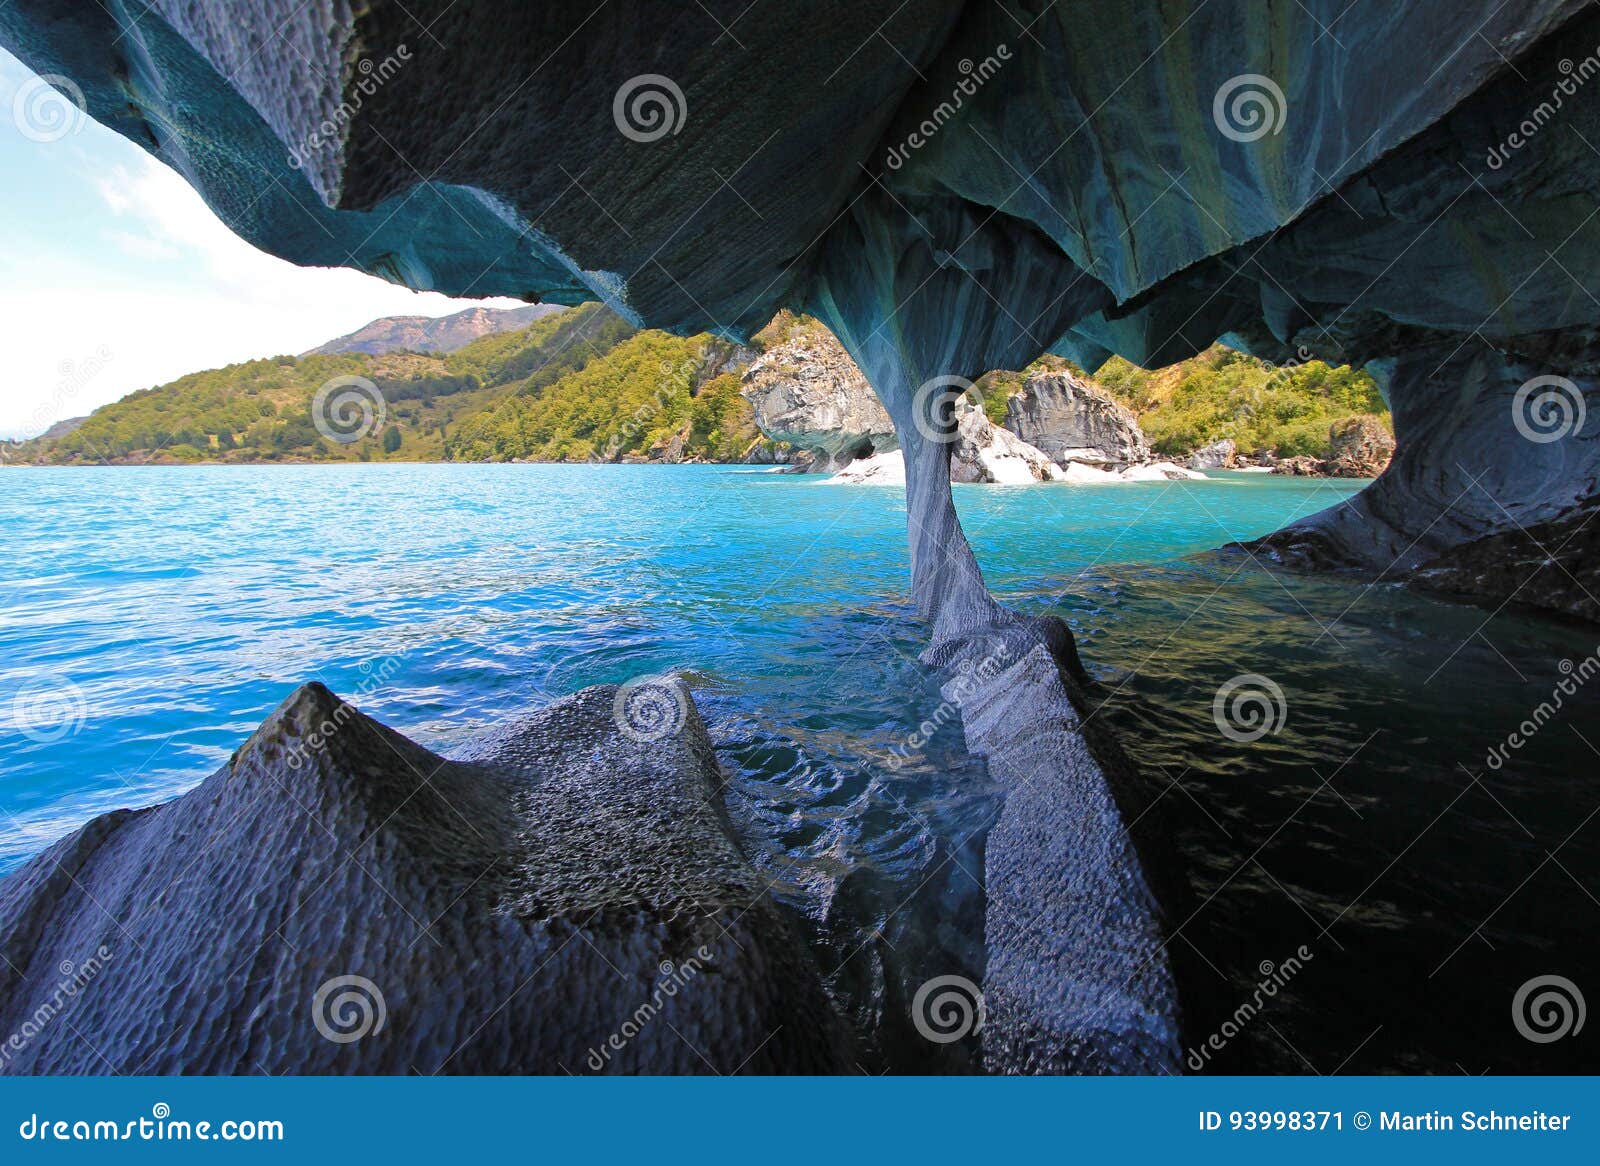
<point>578,384</point>
<point>582,384</point>
<point>427,334</point>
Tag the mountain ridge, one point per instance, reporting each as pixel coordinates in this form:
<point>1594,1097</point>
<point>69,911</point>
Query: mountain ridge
<point>583,385</point>
<point>432,333</point>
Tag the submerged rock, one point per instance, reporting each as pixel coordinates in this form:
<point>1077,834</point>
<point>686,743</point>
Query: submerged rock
<point>564,897</point>
<point>1551,566</point>
<point>1073,421</point>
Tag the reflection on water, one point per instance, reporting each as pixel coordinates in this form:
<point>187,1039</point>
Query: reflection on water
<point>177,606</point>
<point>1427,886</point>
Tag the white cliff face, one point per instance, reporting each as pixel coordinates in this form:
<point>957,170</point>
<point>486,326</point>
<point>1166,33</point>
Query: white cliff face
<point>983,452</point>
<point>1072,420</point>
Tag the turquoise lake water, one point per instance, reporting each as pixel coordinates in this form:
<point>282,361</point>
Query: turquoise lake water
<point>151,618</point>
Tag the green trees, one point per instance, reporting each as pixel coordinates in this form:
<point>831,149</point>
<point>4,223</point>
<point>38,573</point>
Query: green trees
<point>1222,393</point>
<point>639,396</point>
<point>585,385</point>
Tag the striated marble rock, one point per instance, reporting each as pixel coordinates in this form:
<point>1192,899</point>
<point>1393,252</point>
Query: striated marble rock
<point>950,193</point>
<point>337,899</point>
<point>809,393</point>
<point>1078,977</point>
<point>1072,420</point>
<point>984,452</point>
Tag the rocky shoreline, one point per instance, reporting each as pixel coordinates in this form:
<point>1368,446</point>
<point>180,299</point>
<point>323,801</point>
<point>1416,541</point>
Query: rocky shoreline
<point>810,396</point>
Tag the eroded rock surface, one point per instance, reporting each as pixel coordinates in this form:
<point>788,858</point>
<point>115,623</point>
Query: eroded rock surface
<point>809,393</point>
<point>1072,421</point>
<point>1078,979</point>
<point>1219,455</point>
<point>337,899</point>
<point>1096,180</point>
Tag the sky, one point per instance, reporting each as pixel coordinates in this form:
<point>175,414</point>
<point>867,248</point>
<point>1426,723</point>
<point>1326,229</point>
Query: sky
<point>116,276</point>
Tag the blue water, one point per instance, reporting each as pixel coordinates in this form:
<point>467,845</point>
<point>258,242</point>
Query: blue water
<point>151,618</point>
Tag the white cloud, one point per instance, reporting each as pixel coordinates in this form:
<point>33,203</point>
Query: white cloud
<point>168,290</point>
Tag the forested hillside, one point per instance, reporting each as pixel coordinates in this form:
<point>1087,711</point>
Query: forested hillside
<point>584,385</point>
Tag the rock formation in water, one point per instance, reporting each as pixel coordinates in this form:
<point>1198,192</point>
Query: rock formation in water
<point>1219,455</point>
<point>980,453</point>
<point>809,393</point>
<point>566,896</point>
<point>1359,447</point>
<point>1073,421</point>
<point>955,188</point>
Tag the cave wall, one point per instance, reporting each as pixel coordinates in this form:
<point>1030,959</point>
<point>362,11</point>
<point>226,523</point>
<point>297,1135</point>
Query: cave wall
<point>953,188</point>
